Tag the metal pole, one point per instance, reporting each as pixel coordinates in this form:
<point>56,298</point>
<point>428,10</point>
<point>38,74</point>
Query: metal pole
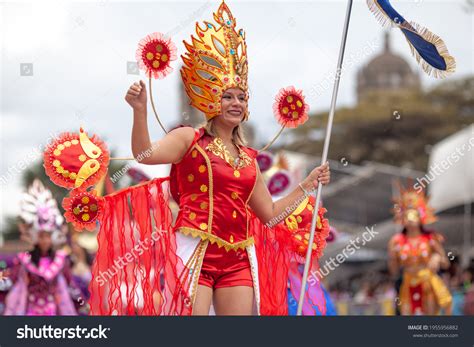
<point>325,154</point>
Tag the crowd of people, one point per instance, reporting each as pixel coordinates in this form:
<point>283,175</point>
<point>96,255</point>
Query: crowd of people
<point>377,292</point>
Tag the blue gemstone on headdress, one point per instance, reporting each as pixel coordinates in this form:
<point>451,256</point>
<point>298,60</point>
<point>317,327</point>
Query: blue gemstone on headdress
<point>232,51</point>
<point>209,25</point>
<point>241,32</point>
<point>229,22</point>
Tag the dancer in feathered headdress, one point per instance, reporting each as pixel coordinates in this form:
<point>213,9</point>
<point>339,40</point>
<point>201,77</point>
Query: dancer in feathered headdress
<point>418,252</point>
<point>41,275</point>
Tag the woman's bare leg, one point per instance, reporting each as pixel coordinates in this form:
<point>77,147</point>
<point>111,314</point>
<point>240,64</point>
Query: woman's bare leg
<point>202,304</point>
<point>236,301</point>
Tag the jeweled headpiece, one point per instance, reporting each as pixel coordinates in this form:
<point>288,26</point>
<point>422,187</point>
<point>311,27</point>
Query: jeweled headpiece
<point>412,205</point>
<point>216,60</point>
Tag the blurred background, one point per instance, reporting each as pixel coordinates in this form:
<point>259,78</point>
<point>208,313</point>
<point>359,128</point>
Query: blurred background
<point>69,64</point>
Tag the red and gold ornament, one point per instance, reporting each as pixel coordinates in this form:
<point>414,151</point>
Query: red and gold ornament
<point>76,161</point>
<point>83,208</point>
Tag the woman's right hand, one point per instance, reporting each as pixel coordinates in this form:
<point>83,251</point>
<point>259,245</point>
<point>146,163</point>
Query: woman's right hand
<point>136,96</point>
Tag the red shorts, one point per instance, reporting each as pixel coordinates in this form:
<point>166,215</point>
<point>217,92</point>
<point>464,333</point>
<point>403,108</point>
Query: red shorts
<point>225,269</point>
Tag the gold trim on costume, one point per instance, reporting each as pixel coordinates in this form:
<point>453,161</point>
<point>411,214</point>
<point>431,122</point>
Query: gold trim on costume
<point>215,239</point>
<point>249,197</point>
<point>197,269</point>
<point>211,187</point>
<point>431,284</point>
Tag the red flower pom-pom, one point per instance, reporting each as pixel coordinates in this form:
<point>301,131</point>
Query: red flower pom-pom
<point>83,209</point>
<point>299,224</point>
<point>290,108</point>
<point>154,55</point>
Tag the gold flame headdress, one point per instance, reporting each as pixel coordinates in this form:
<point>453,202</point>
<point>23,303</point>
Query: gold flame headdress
<point>215,61</point>
<point>412,205</point>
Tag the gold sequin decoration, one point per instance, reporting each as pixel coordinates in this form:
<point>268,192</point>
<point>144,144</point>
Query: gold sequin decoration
<point>234,214</point>
<point>56,163</point>
<point>85,199</point>
<point>203,188</point>
<point>231,239</point>
<point>299,219</point>
<point>236,173</point>
<point>218,148</point>
<point>190,177</point>
<point>202,168</point>
<point>57,152</point>
<point>82,157</point>
<point>85,217</point>
<point>203,226</point>
<point>192,216</point>
<point>75,142</point>
<point>193,197</point>
<point>234,195</point>
<point>203,205</point>
<point>194,153</point>
<point>67,143</point>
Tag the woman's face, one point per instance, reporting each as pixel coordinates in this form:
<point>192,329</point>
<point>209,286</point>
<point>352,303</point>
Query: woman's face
<point>411,218</point>
<point>44,241</point>
<point>233,106</point>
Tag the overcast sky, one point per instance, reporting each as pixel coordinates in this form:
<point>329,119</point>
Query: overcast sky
<point>80,51</point>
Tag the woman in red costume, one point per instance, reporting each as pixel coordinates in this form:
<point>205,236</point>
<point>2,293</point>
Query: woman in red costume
<point>214,176</point>
<point>228,245</point>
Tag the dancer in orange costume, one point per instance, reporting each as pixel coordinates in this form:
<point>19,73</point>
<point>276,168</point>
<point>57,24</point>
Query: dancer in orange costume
<point>419,253</point>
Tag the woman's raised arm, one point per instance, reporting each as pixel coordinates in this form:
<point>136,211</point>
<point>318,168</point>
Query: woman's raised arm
<point>169,149</point>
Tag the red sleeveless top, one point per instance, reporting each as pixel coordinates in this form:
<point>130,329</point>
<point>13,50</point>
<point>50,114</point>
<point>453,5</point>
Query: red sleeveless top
<point>212,190</point>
